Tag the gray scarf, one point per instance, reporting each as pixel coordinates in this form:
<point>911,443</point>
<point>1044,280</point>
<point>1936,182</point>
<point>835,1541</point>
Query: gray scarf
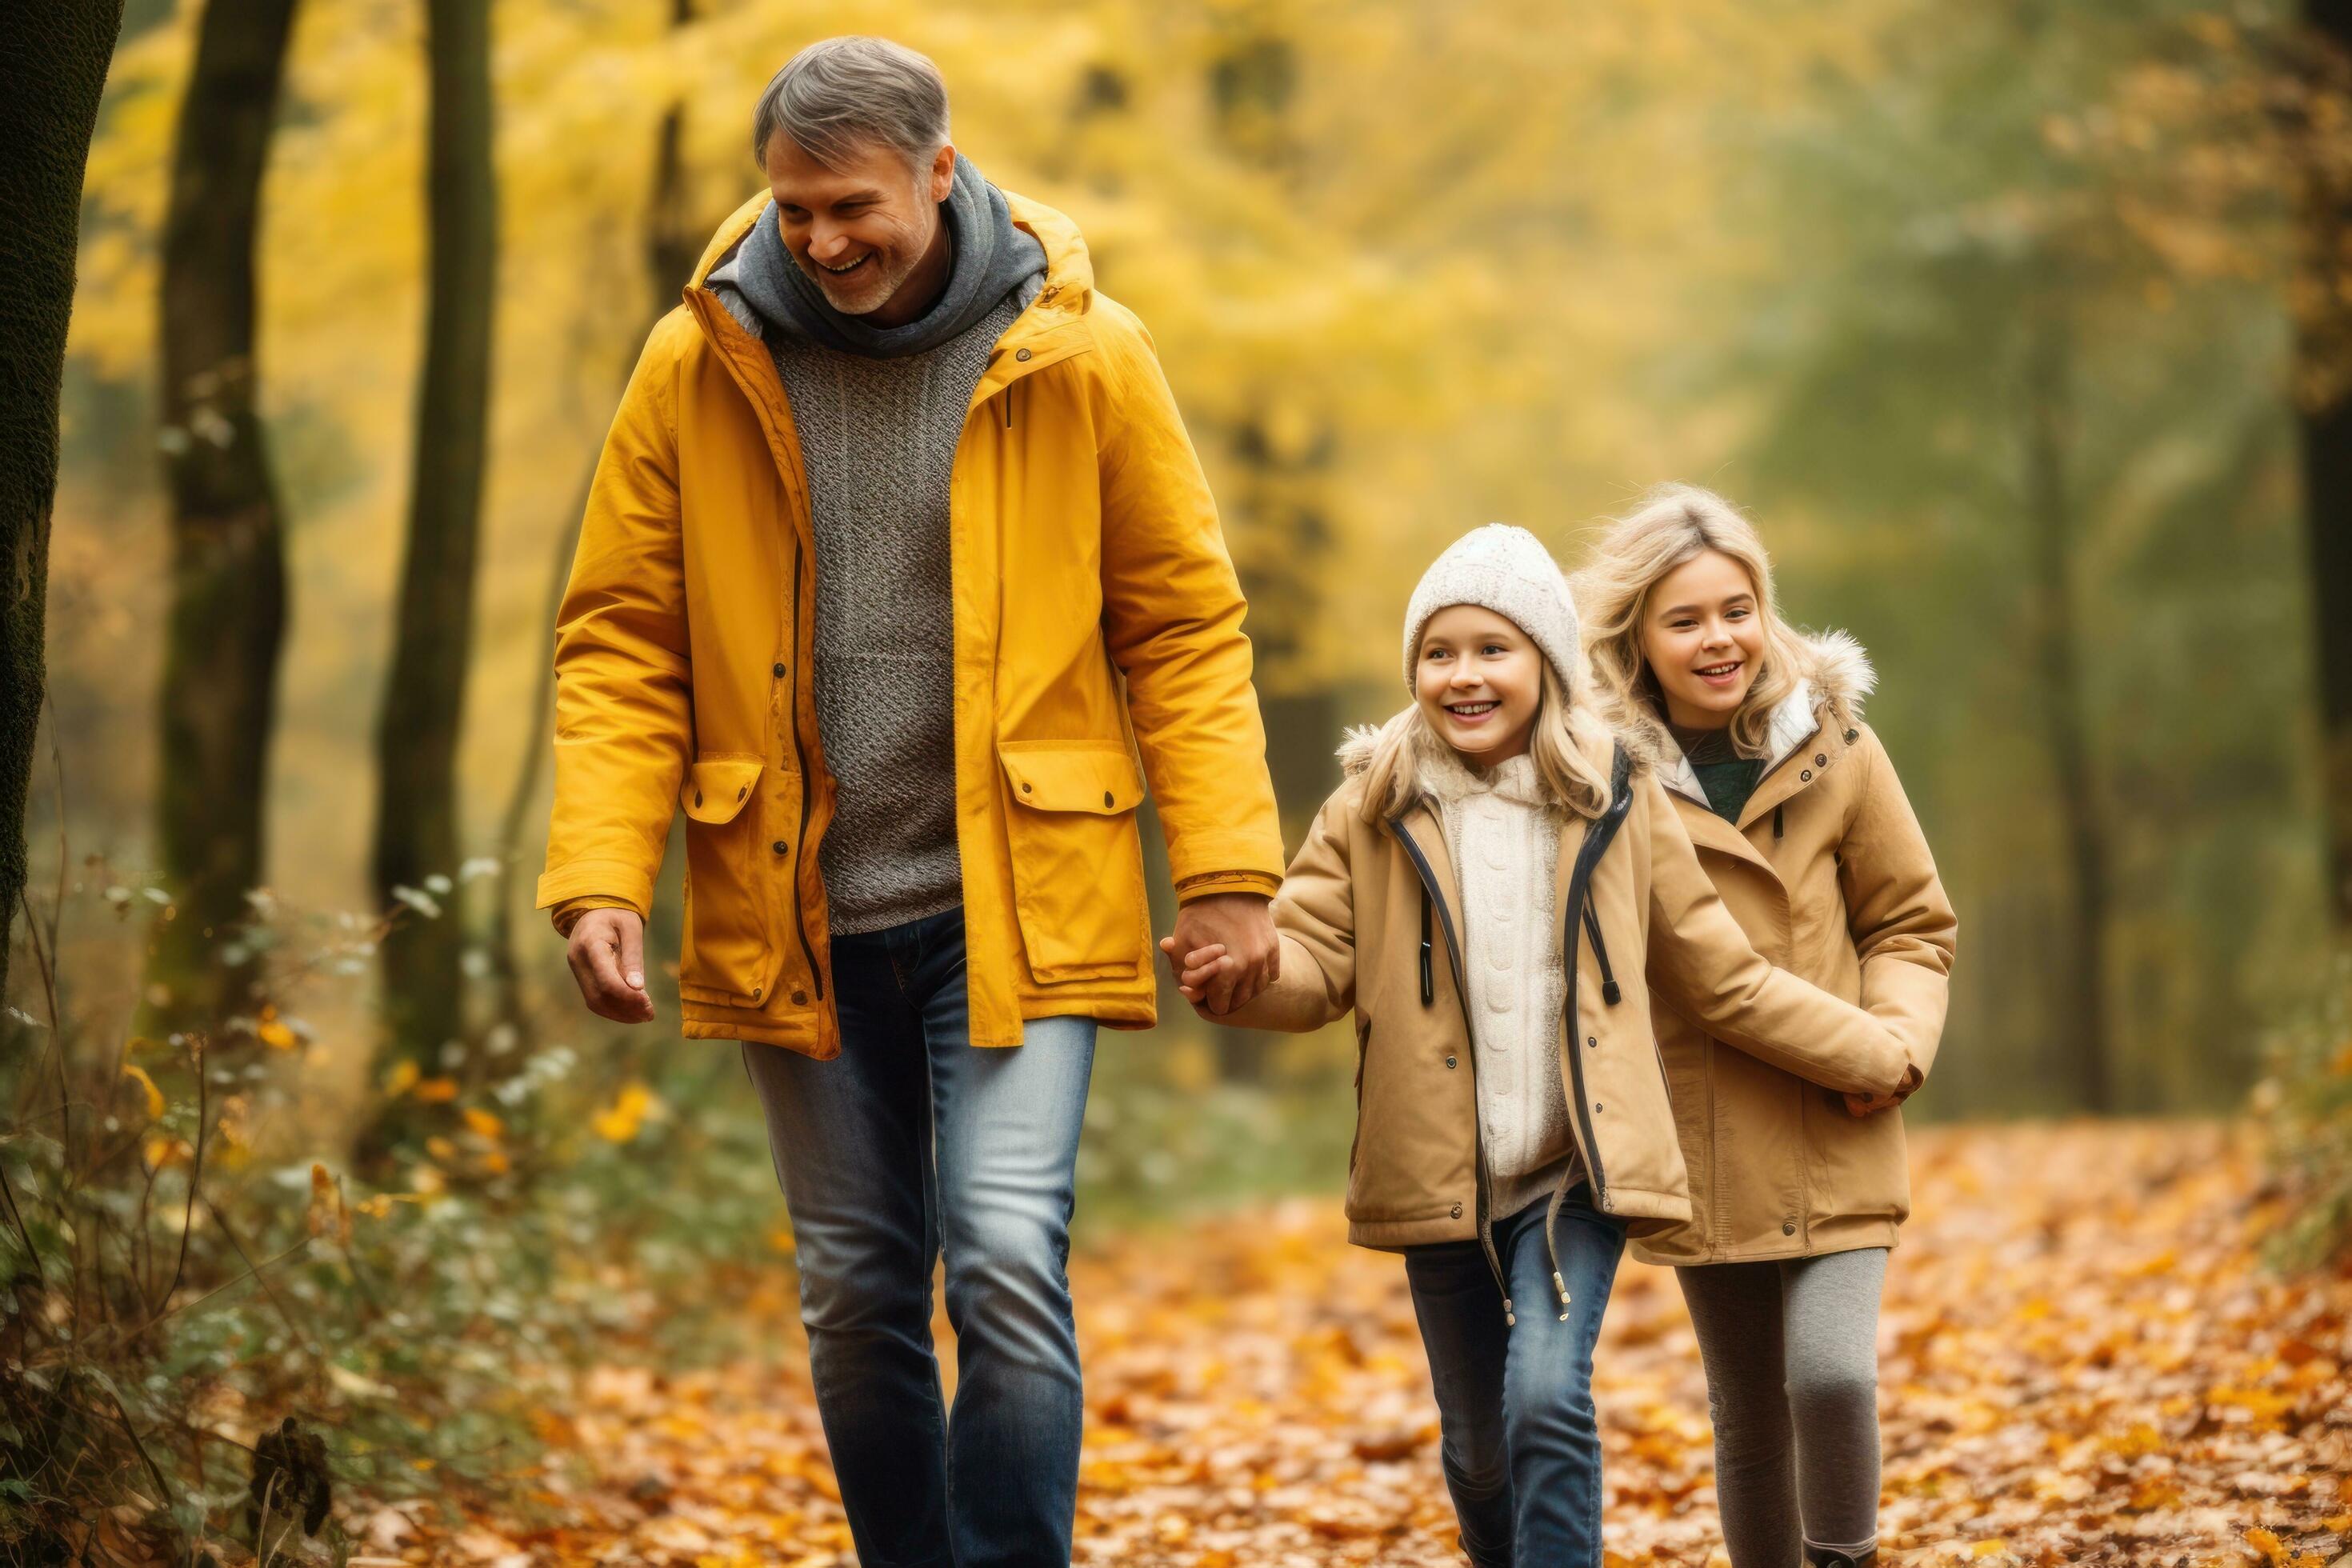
<point>991,260</point>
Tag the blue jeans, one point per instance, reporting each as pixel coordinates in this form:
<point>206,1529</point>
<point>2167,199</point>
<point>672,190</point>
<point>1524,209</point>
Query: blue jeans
<point>910,1143</point>
<point>1521,1445</point>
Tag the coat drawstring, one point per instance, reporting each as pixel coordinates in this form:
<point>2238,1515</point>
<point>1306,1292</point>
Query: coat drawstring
<point>1551,1246</point>
<point>1609,993</point>
<point>1428,975</point>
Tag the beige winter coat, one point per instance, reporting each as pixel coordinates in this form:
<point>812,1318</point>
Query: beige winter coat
<point>1369,917</point>
<point>1829,876</point>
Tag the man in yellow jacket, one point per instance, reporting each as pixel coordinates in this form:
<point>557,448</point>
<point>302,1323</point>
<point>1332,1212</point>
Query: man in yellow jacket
<point>899,577</point>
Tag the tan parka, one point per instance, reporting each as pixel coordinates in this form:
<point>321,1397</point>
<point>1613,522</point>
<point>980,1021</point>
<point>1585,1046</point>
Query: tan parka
<point>1828,873</point>
<point>1369,916</point>
<point>1097,642</point>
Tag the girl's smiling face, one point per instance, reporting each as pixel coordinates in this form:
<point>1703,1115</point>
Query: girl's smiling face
<point>1703,637</point>
<point>1479,681</point>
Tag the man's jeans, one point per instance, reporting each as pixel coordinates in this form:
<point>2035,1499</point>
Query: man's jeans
<point>910,1143</point>
<point>1520,1443</point>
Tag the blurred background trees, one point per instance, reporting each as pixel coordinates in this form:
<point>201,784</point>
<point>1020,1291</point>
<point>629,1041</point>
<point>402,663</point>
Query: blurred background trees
<point>2023,328</point>
<point>2023,332</point>
<point>53,60</point>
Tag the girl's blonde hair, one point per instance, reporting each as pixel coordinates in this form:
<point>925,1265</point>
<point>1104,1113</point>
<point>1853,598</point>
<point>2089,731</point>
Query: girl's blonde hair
<point>1674,524</point>
<point>1564,728</point>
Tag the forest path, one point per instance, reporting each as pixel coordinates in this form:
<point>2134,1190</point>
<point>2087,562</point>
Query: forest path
<point>2081,1360</point>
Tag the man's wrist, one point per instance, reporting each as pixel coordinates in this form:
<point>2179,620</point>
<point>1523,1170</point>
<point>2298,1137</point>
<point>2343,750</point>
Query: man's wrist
<point>567,914</point>
<point>1208,884</point>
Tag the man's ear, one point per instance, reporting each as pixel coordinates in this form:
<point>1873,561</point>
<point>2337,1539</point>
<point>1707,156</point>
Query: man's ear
<point>943,172</point>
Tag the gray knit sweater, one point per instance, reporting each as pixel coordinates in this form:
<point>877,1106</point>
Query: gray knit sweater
<point>877,441</point>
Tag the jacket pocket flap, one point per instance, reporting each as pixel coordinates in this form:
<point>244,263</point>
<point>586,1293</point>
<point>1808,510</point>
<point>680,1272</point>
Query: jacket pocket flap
<point>1072,775</point>
<point>716,791</point>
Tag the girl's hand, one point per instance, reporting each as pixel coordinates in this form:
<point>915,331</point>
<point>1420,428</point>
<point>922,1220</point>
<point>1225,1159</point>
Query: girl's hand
<point>1872,1104</point>
<point>1195,969</point>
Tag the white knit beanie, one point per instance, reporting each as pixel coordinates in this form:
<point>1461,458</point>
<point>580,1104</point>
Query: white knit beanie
<point>1506,570</point>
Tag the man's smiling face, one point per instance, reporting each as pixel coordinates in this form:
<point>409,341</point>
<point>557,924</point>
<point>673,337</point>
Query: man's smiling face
<point>860,232</point>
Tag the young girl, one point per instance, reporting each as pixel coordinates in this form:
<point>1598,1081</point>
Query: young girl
<point>1795,1193</point>
<point>1486,892</point>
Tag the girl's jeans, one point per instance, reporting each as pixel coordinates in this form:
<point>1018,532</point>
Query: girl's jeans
<point>910,1143</point>
<point>1522,1446</point>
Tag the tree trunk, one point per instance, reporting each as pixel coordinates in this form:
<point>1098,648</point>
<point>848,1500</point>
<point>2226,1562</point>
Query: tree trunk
<point>674,241</point>
<point>2081,1046</point>
<point>53,59</point>
<point>228,565</point>
<point>2323,354</point>
<point>417,848</point>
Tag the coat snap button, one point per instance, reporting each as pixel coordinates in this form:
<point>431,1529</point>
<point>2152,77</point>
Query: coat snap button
<point>1821,759</point>
<point>755,994</point>
<point>742,793</point>
<point>1449,1061</point>
<point>799,998</point>
<point>1591,1042</point>
<point>1788,1228</point>
<point>1105,797</point>
<point>780,847</point>
<point>1805,775</point>
<point>1025,789</point>
<point>1021,354</point>
<point>1457,1211</point>
<point>1850,735</point>
<point>1598,1108</point>
<point>697,797</point>
<point>779,672</point>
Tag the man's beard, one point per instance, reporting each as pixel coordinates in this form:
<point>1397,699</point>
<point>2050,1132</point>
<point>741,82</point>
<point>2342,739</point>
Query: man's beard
<point>861,292</point>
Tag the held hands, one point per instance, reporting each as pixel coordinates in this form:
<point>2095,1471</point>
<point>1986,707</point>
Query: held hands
<point>1224,950</point>
<point>608,959</point>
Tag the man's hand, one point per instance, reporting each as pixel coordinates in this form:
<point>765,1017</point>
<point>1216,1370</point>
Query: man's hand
<point>608,959</point>
<point>1241,924</point>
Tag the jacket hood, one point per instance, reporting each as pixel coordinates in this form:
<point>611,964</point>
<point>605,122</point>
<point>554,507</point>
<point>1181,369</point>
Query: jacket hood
<point>1069,270</point>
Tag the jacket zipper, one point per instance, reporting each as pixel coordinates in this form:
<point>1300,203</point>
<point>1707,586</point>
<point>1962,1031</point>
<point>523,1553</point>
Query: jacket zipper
<point>1432,895</point>
<point>1597,839</point>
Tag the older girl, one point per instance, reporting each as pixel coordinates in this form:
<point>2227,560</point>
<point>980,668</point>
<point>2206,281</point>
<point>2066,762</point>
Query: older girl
<point>1473,893</point>
<point>1796,1191</point>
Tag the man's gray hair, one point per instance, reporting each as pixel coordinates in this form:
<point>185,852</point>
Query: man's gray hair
<point>835,98</point>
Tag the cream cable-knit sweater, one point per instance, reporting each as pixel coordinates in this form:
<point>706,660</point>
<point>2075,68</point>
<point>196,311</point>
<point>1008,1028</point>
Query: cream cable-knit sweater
<point>1505,839</point>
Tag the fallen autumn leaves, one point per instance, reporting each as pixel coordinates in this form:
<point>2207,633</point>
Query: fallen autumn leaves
<point>2081,1362</point>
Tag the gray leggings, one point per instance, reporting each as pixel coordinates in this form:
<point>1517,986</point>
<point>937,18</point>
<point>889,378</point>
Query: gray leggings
<point>1791,1354</point>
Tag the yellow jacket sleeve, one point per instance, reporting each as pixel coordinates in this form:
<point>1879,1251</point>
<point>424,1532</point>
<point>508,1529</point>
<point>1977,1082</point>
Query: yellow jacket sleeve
<point>1172,610</point>
<point>623,715</point>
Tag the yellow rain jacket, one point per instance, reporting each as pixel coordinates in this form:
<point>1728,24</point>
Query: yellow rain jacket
<point>1097,642</point>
